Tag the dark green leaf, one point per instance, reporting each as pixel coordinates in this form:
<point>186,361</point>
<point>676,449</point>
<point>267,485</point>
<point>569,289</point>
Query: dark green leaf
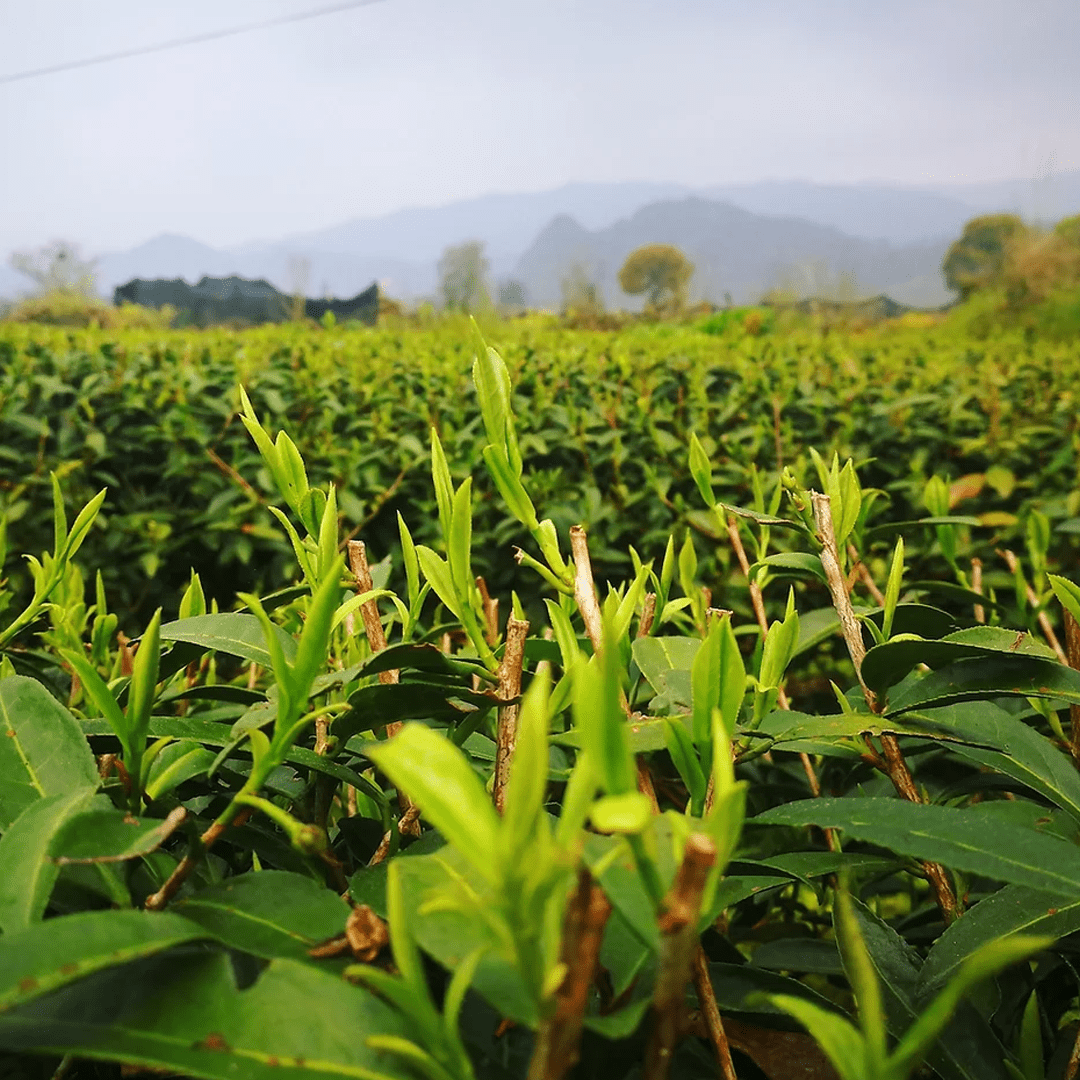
<point>423,658</point>
<point>104,834</point>
<point>886,664</point>
<point>943,834</point>
<point>734,983</point>
<point>218,692</point>
<point>270,913</point>
<point>230,632</point>
<point>181,1011</point>
<point>957,593</point>
<point>799,562</point>
<point>1011,910</point>
<point>27,874</point>
<point>375,706</point>
<point>44,751</point>
<point>799,954</point>
<point>967,1049</point>
<point>992,737</point>
<point>983,677</point>
<point>48,955</point>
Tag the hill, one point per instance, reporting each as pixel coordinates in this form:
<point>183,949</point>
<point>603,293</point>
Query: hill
<point>735,252</point>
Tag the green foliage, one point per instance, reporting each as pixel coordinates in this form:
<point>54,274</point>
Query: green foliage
<point>978,258</point>
<point>463,274</point>
<point>251,762</point>
<point>660,272</point>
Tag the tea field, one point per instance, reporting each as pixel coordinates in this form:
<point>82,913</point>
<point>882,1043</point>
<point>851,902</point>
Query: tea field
<point>675,701</point>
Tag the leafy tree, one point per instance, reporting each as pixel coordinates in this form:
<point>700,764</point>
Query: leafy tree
<point>513,298</point>
<point>1068,229</point>
<point>660,272</point>
<point>581,296</point>
<point>977,260</point>
<point>463,272</point>
<point>58,268</point>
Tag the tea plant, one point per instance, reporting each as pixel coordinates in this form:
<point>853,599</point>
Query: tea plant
<point>381,831</point>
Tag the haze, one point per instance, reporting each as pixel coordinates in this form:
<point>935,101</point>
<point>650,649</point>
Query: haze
<point>419,102</point>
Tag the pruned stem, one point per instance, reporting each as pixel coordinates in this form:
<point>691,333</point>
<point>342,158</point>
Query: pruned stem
<point>589,606</point>
<point>490,606</point>
<point>1033,600</point>
<point>864,576</point>
<point>834,578</point>
<point>648,614</point>
<point>1072,643</point>
<point>585,587</point>
<point>369,612</point>
<point>157,901</point>
<point>1072,1068</point>
<point>976,587</point>
<point>710,1013</point>
<point>895,765</point>
<point>509,687</point>
<point>782,702</point>
<point>407,825</point>
<point>559,1037</point>
<point>678,941</point>
<point>376,637</point>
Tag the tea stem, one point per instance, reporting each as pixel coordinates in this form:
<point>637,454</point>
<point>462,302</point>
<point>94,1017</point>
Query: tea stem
<point>232,815</point>
<point>976,587</point>
<point>585,587</point>
<point>1072,643</point>
<point>710,1013</point>
<point>376,636</point>
<point>678,942</point>
<point>865,576</point>
<point>509,687</point>
<point>782,701</point>
<point>834,578</point>
<point>559,1037</point>
<point>1042,618</point>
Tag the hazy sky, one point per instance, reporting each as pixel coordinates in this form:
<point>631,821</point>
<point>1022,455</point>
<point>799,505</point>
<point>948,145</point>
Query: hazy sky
<point>420,102</point>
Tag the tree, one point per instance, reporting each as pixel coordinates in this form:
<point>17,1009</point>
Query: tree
<point>661,272</point>
<point>581,296</point>
<point>1040,264</point>
<point>58,268</point>
<point>978,259</point>
<point>1068,230</point>
<point>513,298</point>
<point>463,274</point>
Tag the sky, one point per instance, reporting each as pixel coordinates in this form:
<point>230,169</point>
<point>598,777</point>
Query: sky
<point>398,103</point>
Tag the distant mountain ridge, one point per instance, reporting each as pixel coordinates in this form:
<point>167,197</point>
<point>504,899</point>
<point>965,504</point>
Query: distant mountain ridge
<point>734,252</point>
<point>883,233</point>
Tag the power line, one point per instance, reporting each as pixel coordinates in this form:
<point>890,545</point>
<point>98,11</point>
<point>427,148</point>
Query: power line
<point>195,39</point>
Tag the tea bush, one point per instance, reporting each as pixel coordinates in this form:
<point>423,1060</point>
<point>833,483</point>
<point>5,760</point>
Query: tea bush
<point>384,823</point>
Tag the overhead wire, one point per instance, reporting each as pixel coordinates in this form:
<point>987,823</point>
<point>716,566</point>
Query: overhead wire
<point>193,39</point>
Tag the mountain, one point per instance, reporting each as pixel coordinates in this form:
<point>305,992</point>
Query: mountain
<point>871,211</point>
<point>1040,198</point>
<point>525,231</point>
<point>735,252</point>
<point>506,223</point>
